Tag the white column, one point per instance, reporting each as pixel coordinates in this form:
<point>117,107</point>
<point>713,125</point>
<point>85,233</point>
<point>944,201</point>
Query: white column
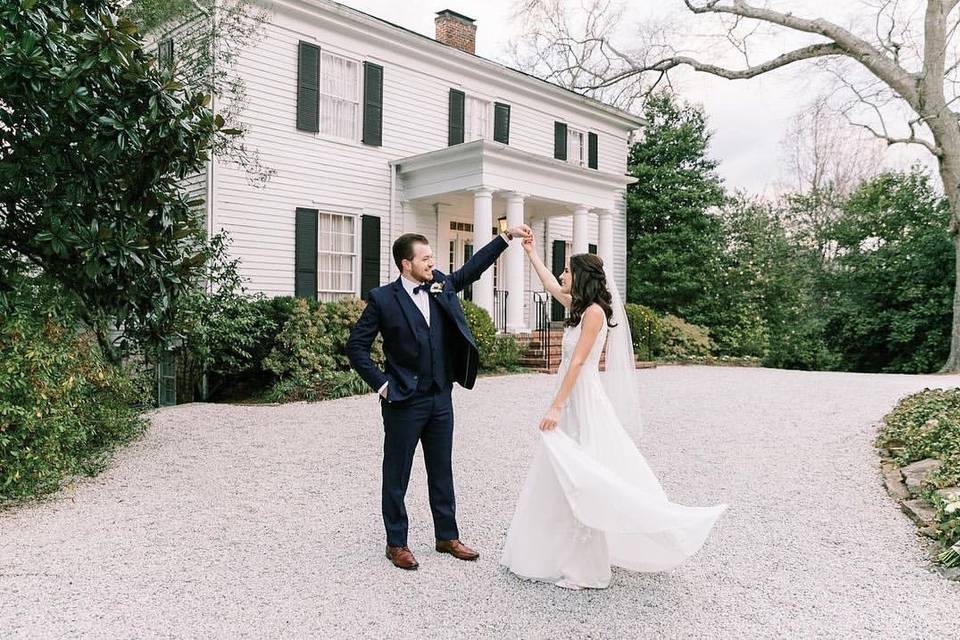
<point>482,227</point>
<point>516,296</point>
<point>605,240</point>
<point>581,243</point>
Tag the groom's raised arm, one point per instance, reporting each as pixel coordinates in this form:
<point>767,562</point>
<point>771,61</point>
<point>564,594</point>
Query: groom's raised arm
<point>479,262</point>
<point>361,340</point>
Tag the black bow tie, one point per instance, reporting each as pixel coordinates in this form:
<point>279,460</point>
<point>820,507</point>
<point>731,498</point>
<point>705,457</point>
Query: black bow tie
<point>425,287</point>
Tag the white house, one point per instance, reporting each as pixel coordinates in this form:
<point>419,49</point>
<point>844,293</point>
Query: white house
<point>374,130</point>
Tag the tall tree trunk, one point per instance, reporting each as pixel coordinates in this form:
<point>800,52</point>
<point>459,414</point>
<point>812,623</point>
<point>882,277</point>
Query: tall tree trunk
<point>949,141</point>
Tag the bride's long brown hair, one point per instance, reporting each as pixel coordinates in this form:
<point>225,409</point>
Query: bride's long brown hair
<point>589,287</point>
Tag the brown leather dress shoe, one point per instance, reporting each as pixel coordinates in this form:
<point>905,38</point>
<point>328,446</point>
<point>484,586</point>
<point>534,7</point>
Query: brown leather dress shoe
<point>457,549</point>
<point>402,557</point>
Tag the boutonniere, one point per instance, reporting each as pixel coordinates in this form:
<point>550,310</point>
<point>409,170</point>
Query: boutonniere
<point>436,288</point>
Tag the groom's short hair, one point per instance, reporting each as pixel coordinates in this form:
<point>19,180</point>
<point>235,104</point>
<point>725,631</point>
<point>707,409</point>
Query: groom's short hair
<point>403,247</point>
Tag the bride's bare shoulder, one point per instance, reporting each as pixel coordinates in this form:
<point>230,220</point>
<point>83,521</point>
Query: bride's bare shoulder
<point>595,311</point>
<point>593,315</point>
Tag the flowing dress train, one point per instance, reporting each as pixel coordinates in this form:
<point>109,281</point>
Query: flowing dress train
<point>590,500</point>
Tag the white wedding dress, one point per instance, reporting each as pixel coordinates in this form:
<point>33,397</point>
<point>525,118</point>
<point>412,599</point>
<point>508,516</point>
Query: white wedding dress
<point>591,501</point>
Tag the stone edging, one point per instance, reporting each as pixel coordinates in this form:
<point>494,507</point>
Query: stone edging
<point>899,482</point>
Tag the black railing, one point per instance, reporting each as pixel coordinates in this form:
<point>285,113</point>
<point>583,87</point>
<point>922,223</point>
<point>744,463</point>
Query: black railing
<point>540,309</point>
<point>500,309</point>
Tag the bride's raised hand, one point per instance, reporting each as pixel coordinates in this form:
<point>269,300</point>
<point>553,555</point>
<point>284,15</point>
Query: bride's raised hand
<point>528,245</point>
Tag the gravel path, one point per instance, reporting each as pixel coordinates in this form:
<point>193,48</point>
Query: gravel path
<point>263,522</point>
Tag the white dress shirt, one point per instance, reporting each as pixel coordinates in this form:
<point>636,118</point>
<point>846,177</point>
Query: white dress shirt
<point>421,298</point>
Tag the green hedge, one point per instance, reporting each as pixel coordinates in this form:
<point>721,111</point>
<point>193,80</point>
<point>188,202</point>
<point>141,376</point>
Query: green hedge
<point>308,356</point>
<point>63,408</point>
<point>927,425</point>
<point>646,329</point>
<point>285,349</point>
<point>680,339</point>
<point>497,352</point>
<point>483,329</point>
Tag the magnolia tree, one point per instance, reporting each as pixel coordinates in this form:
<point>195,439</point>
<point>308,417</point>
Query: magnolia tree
<point>898,65</point>
<point>94,141</point>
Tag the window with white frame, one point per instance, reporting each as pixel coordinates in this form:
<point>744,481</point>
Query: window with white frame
<point>336,256</point>
<point>339,96</point>
<point>476,119</point>
<point>576,151</point>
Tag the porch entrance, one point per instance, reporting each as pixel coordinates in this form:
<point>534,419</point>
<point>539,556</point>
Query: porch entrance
<point>461,249</point>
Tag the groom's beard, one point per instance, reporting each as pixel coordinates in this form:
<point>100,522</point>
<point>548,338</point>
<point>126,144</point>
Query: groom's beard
<point>421,277</point>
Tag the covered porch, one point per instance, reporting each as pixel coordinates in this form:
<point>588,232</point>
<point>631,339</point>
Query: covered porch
<point>462,195</point>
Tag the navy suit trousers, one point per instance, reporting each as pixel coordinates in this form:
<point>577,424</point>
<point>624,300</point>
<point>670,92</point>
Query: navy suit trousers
<point>425,417</point>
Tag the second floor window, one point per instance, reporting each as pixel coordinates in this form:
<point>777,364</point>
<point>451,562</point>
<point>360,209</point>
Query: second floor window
<point>477,120</point>
<point>339,96</point>
<point>575,147</point>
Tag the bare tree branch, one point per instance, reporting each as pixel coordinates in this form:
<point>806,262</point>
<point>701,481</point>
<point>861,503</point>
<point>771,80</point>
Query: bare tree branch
<point>805,53</point>
<point>850,44</point>
<point>890,140</point>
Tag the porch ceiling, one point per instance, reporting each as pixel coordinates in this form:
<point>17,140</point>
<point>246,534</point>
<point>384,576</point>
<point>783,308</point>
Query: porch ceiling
<point>499,167</point>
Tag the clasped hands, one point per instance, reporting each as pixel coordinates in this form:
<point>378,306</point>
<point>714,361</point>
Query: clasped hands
<point>521,231</point>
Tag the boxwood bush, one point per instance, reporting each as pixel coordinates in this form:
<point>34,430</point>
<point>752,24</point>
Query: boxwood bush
<point>307,357</point>
<point>680,339</point>
<point>63,407</point>
<point>646,329</point>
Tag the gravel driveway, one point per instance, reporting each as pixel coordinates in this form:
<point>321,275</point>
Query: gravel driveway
<point>263,522</point>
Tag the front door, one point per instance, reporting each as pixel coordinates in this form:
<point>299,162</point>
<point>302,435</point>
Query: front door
<point>461,249</point>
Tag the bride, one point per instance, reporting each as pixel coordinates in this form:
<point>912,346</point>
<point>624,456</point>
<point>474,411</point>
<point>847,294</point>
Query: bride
<point>590,500</point>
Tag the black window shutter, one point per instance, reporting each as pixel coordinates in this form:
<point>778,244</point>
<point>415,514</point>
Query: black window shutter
<point>592,150</point>
<point>592,249</point>
<point>369,255</point>
<point>456,116</point>
<point>372,104</point>
<point>558,313</point>
<point>165,53</point>
<point>305,255</point>
<point>501,122</point>
<point>560,140</point>
<point>308,88</point>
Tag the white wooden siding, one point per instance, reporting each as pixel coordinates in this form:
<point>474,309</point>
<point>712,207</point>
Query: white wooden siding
<point>315,172</point>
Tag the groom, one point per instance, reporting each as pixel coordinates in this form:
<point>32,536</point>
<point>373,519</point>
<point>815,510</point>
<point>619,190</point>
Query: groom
<point>428,346</point>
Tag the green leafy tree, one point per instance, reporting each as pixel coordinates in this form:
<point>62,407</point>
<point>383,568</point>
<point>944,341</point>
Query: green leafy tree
<point>674,241</point>
<point>771,308</point>
<point>889,293</point>
<point>93,141</point>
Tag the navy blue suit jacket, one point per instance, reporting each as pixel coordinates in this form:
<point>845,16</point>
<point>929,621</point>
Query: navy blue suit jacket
<point>390,312</point>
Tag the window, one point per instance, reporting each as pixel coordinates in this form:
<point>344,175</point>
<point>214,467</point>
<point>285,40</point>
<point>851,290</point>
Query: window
<point>477,121</point>
<point>339,96</point>
<point>165,54</point>
<point>336,256</point>
<point>575,151</point>
<point>501,122</point>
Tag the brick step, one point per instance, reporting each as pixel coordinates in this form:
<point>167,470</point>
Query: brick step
<point>553,348</point>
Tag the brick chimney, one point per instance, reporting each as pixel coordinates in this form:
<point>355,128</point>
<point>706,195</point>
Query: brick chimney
<point>456,30</point>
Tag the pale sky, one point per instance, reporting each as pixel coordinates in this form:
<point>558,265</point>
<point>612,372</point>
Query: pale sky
<point>748,118</point>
